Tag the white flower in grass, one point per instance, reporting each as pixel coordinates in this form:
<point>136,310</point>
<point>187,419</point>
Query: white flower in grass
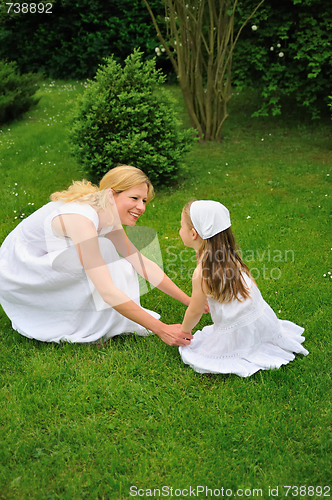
<point>278,45</point>
<point>272,48</point>
<point>254,27</point>
<point>281,54</point>
<point>249,217</point>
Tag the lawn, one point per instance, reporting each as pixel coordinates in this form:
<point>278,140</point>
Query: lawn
<point>127,419</point>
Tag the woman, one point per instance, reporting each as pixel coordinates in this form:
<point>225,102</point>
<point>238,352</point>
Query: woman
<point>62,277</point>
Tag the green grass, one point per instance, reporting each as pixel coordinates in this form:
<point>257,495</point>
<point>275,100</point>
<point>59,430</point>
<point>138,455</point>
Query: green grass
<point>91,421</point>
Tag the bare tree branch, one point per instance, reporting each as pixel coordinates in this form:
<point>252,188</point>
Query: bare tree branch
<point>201,33</point>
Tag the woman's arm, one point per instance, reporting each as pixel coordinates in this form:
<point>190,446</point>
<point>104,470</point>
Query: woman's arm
<point>85,237</point>
<point>197,304</point>
<point>144,266</point>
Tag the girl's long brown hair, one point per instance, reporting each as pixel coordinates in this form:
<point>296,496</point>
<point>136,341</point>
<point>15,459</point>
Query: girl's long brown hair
<point>222,266</point>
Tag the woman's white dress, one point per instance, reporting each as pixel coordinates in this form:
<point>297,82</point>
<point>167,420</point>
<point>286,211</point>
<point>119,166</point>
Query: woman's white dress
<point>245,337</point>
<point>45,291</point>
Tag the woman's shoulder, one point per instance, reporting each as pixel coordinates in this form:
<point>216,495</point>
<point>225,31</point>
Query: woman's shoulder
<point>73,208</point>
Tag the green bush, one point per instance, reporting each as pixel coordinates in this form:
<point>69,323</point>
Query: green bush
<point>123,118</point>
<point>285,50</point>
<point>16,91</point>
<point>74,38</point>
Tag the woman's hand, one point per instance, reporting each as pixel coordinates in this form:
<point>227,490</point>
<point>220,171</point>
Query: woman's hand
<point>174,336</point>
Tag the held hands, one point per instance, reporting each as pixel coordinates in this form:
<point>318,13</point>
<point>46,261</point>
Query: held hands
<point>174,336</point>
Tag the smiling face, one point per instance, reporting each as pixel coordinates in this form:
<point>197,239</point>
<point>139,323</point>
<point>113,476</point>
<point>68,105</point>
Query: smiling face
<point>131,203</point>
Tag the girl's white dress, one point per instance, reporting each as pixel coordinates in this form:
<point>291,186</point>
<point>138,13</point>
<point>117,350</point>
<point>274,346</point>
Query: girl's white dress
<point>45,291</point>
<point>245,337</point>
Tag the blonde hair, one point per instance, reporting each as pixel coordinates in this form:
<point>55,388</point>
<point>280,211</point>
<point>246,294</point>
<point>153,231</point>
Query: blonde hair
<point>119,179</point>
<point>222,266</point>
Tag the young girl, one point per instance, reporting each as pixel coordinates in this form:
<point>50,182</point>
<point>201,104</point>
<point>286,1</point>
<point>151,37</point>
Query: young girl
<point>246,335</point>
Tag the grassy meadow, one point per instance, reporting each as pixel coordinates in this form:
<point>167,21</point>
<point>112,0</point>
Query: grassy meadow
<point>126,418</point>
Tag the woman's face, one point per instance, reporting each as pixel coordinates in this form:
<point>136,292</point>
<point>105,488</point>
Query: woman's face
<point>131,203</point>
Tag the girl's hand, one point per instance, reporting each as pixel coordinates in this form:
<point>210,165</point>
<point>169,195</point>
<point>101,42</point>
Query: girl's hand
<point>174,336</point>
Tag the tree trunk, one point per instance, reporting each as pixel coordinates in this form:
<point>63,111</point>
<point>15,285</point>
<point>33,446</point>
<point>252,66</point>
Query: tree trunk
<point>200,46</point>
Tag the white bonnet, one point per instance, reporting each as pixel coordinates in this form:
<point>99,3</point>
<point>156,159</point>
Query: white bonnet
<point>209,218</point>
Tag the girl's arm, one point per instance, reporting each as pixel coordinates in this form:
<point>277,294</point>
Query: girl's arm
<point>148,269</point>
<point>197,303</point>
<point>85,238</point>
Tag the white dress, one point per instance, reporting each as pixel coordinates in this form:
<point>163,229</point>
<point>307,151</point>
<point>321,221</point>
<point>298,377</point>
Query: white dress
<point>245,337</point>
<point>45,291</point>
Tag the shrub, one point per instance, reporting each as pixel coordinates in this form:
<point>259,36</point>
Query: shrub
<point>122,118</point>
<point>16,91</point>
<point>74,39</point>
<point>286,51</point>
